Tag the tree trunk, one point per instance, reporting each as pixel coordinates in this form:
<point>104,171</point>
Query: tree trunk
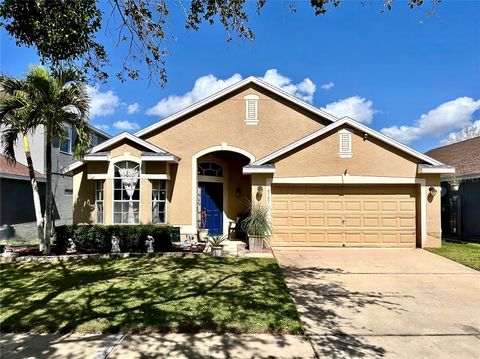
<point>48,193</point>
<point>36,195</point>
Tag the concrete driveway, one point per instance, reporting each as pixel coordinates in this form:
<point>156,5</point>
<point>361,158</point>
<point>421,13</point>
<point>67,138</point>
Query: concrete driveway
<point>385,303</point>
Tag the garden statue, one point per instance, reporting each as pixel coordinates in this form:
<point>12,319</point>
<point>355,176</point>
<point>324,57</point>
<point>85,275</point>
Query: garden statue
<point>149,243</point>
<point>115,244</point>
<point>71,248</point>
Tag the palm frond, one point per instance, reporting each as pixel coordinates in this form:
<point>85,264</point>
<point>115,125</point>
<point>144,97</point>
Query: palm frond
<point>9,140</point>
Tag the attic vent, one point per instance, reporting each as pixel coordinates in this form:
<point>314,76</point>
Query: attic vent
<point>251,109</point>
<point>345,139</point>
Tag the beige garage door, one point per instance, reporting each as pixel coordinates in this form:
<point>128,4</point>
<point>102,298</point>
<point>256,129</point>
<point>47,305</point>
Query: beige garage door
<point>350,216</point>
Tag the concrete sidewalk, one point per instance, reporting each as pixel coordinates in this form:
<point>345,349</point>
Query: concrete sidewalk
<point>202,345</point>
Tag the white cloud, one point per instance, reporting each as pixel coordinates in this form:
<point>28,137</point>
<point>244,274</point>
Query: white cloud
<point>207,85</point>
<point>448,116</point>
<point>102,127</point>
<point>303,90</point>
<point>355,107</point>
<point>328,86</point>
<point>133,108</point>
<point>126,125</point>
<point>102,103</point>
<point>204,86</point>
<point>470,131</point>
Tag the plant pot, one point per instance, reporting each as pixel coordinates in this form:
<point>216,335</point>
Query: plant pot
<point>255,243</point>
<point>217,251</point>
<point>202,235</point>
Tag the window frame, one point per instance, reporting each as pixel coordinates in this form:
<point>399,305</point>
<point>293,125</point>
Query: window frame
<point>137,188</point>
<point>158,201</point>
<point>69,138</point>
<point>99,187</point>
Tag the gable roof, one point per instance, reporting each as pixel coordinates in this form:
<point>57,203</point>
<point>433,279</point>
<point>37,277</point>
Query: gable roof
<point>464,156</point>
<point>128,136</point>
<point>230,89</point>
<point>354,124</point>
<point>17,171</point>
<point>97,150</point>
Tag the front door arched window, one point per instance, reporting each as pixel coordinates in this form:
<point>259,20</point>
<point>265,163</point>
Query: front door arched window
<point>126,193</point>
<point>211,169</point>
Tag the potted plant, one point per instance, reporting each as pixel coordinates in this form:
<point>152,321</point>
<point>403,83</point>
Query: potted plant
<point>202,231</point>
<point>454,182</point>
<point>257,226</point>
<point>216,245</point>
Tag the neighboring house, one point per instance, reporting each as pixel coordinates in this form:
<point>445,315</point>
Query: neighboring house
<point>326,181</point>
<point>16,200</point>
<point>461,207</point>
<point>21,209</point>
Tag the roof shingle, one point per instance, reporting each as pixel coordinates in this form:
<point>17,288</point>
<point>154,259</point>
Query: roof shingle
<point>464,156</point>
<point>18,169</point>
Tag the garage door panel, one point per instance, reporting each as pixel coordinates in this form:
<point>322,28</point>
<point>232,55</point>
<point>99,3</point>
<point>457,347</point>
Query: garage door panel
<point>368,216</point>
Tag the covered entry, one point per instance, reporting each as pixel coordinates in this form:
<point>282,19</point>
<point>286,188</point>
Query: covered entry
<point>347,215</point>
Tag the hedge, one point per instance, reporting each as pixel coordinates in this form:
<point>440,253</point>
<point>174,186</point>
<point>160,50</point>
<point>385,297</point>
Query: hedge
<point>98,238</point>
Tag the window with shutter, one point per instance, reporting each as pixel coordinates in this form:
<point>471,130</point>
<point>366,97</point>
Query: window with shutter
<point>345,147</point>
<point>251,109</point>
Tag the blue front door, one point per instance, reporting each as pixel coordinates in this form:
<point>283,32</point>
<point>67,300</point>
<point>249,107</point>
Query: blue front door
<point>212,202</point>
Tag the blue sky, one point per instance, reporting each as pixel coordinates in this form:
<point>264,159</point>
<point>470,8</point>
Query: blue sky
<point>399,68</point>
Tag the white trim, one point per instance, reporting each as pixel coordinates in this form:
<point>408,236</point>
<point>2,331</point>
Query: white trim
<point>194,179</point>
<point>95,158</point>
<point>251,170</point>
<point>171,158</point>
<point>97,176</point>
<point>72,167</point>
<point>129,136</point>
<point>358,126</point>
<point>230,89</point>
<point>423,211</point>
<point>345,179</point>
<point>154,176</point>
<point>437,169</point>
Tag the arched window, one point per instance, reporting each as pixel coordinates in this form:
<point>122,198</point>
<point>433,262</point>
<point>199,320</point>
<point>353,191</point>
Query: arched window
<point>211,169</point>
<point>126,193</point>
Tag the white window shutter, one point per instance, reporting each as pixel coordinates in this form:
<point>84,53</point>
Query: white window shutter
<point>345,143</point>
<point>251,109</point>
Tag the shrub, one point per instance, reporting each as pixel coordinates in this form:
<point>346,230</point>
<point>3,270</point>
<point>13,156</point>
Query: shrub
<point>98,238</point>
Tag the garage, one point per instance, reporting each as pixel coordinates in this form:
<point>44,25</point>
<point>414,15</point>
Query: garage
<point>344,216</point>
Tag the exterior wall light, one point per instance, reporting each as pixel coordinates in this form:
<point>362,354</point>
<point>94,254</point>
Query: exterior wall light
<point>432,191</point>
<point>259,193</point>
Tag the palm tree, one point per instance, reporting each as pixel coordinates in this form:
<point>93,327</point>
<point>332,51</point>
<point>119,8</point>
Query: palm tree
<point>16,122</point>
<point>50,101</point>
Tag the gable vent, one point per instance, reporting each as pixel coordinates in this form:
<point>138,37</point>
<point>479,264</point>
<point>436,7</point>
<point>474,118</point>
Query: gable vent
<point>251,109</point>
<point>345,139</point>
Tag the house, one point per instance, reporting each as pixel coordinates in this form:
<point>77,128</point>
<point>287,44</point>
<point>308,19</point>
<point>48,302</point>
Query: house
<point>18,210</point>
<point>461,207</point>
<point>16,204</point>
<point>325,181</point>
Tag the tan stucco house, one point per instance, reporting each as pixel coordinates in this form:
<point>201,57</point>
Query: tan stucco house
<point>325,181</point>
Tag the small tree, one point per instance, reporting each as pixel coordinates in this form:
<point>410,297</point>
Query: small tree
<point>17,121</point>
<point>50,101</point>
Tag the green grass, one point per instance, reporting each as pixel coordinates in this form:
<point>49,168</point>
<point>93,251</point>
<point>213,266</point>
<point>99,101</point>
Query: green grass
<point>465,253</point>
<point>147,294</point>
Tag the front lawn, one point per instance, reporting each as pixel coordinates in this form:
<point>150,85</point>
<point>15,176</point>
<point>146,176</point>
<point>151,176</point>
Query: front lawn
<point>465,253</point>
<point>147,294</point>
